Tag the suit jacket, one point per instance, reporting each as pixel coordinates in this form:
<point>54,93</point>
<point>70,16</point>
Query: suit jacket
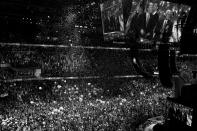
<point>148,27</point>
<point>153,22</point>
<point>163,33</point>
<point>155,19</point>
<point>152,25</point>
<point>136,24</point>
<point>139,23</point>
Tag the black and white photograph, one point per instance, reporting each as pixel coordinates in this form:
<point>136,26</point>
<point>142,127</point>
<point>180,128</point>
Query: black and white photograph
<point>98,65</point>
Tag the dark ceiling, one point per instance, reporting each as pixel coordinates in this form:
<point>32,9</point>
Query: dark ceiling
<point>20,8</point>
<point>28,7</point>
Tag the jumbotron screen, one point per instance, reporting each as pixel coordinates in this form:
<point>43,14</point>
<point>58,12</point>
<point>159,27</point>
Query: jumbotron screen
<point>142,20</point>
<point>112,19</point>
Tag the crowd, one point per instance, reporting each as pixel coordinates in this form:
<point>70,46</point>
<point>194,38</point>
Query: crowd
<point>52,61</point>
<point>62,62</point>
<point>100,104</point>
<point>66,62</point>
<point>77,105</point>
<point>83,105</point>
<point>149,61</point>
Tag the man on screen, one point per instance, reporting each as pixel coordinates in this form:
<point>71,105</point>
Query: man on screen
<point>155,11</point>
<point>155,17</point>
<point>134,23</point>
<point>145,23</point>
<point>163,29</point>
<point>151,20</point>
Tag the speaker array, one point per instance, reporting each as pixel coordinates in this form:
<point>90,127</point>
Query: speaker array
<point>165,74</point>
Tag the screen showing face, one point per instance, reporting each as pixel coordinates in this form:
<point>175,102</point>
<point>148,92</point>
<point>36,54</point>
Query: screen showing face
<point>157,20</point>
<point>145,19</point>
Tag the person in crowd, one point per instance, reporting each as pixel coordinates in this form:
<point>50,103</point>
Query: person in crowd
<point>163,30</point>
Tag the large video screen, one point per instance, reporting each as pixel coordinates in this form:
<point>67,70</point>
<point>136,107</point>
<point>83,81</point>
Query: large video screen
<point>112,19</point>
<point>147,20</point>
